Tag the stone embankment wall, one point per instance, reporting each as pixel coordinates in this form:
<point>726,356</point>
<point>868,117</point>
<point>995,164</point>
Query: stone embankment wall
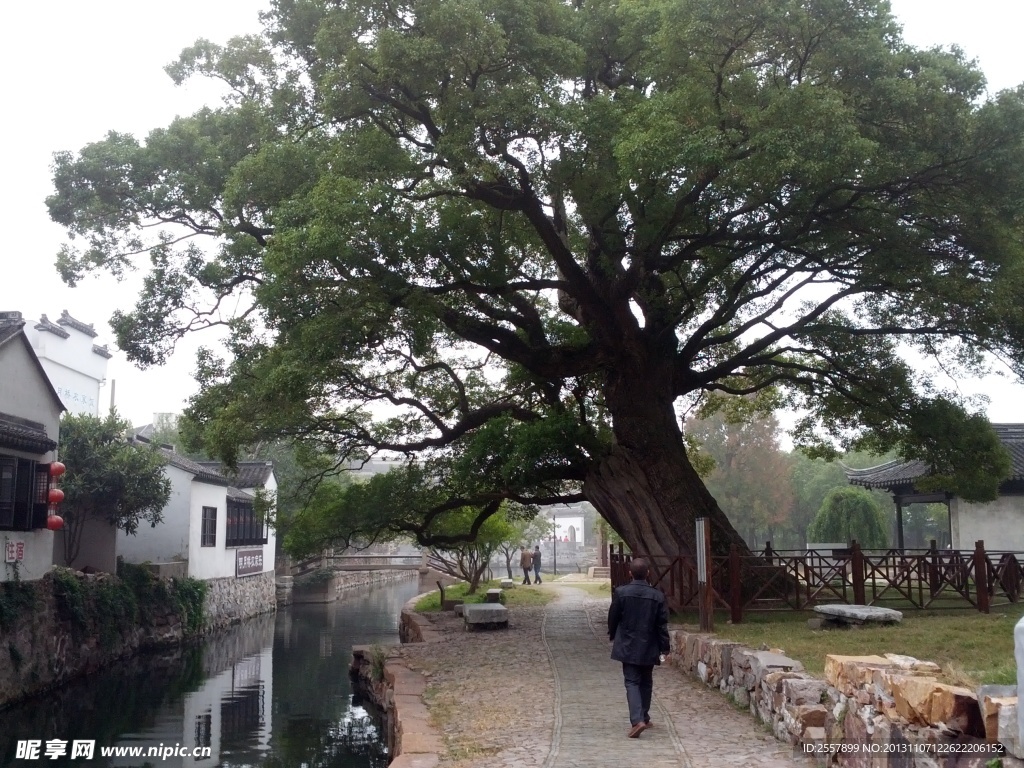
<point>382,675</point>
<point>891,706</point>
<point>327,586</point>
<point>230,600</point>
<point>68,624</point>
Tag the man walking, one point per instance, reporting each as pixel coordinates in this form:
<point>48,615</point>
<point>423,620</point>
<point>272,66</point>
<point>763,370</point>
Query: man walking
<point>536,564</point>
<point>638,629</point>
<point>526,562</point>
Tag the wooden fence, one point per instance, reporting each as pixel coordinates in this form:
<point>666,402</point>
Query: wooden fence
<point>800,579</point>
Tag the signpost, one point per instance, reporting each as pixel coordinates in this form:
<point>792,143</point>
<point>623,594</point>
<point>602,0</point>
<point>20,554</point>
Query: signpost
<point>248,561</point>
<point>704,591</point>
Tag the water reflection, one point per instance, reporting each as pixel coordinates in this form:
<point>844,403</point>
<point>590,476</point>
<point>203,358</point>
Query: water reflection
<point>272,693</point>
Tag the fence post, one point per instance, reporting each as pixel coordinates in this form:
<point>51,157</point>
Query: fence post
<point>981,575</point>
<point>705,603</point>
<point>857,558</point>
<point>735,585</point>
<point>933,568</point>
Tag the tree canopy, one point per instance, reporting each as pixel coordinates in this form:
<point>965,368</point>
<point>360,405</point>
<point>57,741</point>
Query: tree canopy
<point>849,514</point>
<point>510,240</point>
<point>107,478</point>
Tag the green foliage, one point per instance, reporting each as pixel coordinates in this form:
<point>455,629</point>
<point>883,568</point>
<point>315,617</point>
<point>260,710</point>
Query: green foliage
<point>847,514</point>
<point>740,435</point>
<point>190,595</point>
<point>16,598</point>
<point>378,659</point>
<point>533,230</point>
<point>107,478</point>
<point>70,595</point>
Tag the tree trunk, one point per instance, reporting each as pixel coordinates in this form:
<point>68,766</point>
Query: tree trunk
<point>645,487</point>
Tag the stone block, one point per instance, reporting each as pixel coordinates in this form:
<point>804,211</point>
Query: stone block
<point>485,615</point>
<point>458,609</point>
<point>908,665</point>
<point>450,605</point>
<point>494,596</point>
<point>801,690</point>
<point>912,696</point>
<point>808,716</point>
<point>508,584</point>
<point>847,673</point>
<point>764,662</point>
<point>1006,729</point>
<point>991,698</point>
<point>858,614</point>
<point>956,708</point>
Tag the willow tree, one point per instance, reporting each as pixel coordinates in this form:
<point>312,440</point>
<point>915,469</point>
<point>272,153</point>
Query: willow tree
<point>512,241</point>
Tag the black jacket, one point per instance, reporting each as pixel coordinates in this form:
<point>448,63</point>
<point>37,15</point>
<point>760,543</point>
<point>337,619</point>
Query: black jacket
<point>638,624</point>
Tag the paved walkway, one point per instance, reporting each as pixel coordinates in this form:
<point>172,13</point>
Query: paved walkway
<point>545,694</point>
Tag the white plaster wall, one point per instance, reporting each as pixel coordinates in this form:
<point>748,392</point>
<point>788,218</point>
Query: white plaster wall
<point>209,562</point>
<point>97,547</point>
<point>38,555</point>
<point>74,352</point>
<point>170,539</point>
<point>79,392</point>
<point>999,523</point>
<point>25,394</point>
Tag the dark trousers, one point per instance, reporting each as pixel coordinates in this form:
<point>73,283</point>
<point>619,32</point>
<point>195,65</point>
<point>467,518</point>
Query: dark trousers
<point>526,575</point>
<point>639,687</point>
<point>536,573</point>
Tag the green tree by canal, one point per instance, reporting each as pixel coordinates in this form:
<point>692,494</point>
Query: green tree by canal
<point>108,479</point>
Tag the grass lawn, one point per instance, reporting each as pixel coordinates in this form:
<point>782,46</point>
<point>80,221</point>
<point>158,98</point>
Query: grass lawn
<point>971,647</point>
<point>521,595</point>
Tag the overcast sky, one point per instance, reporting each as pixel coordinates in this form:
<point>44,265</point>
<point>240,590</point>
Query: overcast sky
<point>78,69</point>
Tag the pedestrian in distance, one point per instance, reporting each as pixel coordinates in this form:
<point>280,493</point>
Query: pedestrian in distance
<point>526,562</point>
<point>536,565</point>
<point>638,629</point>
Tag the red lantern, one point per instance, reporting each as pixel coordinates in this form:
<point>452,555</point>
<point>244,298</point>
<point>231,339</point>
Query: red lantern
<point>55,496</point>
<point>56,469</point>
<point>55,522</point>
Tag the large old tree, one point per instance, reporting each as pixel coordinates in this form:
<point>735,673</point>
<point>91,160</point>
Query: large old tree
<point>510,241</point>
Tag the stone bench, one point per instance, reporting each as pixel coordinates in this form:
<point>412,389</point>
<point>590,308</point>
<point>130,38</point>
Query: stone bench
<point>494,596</point>
<point>508,584</point>
<point>485,616</point>
<point>841,615</point>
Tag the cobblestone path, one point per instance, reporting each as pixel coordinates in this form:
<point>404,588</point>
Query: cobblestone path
<point>545,694</point>
<point>591,717</point>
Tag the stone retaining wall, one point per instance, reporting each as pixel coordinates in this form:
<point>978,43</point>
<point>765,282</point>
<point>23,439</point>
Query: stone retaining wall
<point>47,638</point>
<point>398,692</point>
<point>230,600</point>
<point>882,705</point>
<point>330,589</point>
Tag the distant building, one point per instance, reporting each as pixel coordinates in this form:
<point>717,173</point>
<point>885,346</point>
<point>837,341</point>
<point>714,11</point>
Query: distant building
<point>30,412</point>
<point>75,364</point>
<point>999,523</point>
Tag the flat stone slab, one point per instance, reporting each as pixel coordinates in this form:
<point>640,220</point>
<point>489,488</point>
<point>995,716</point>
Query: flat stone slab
<point>508,584</point>
<point>858,614</point>
<point>484,615</point>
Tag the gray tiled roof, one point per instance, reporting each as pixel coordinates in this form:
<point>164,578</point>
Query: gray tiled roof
<point>25,435</point>
<point>8,332</point>
<point>249,474</point>
<point>898,472</point>
<point>201,472</point>
<point>235,494</point>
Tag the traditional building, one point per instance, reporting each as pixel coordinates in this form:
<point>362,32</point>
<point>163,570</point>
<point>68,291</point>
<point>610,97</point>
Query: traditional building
<point>999,523</point>
<point>74,363</point>
<point>30,412</point>
<point>214,530</point>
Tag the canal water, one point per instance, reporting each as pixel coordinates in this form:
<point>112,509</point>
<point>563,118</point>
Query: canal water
<point>273,692</point>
